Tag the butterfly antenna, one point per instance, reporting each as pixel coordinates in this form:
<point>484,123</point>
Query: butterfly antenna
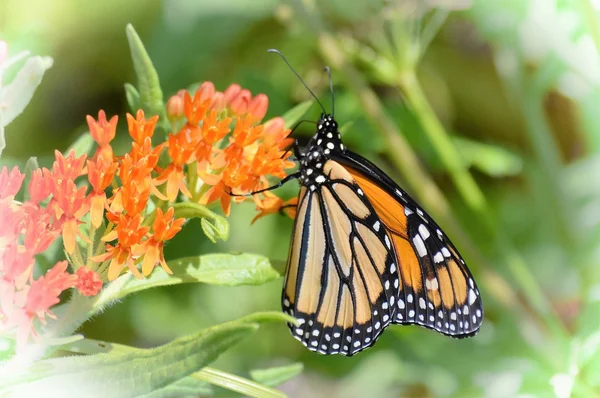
<point>331,91</point>
<point>273,50</point>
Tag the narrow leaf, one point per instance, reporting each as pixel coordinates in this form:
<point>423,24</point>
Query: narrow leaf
<point>136,373</point>
<point>493,160</point>
<point>32,164</point>
<point>16,95</point>
<point>133,97</point>
<point>150,93</point>
<point>272,377</point>
<point>236,383</point>
<point>294,115</point>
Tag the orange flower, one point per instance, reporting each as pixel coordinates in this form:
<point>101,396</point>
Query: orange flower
<point>69,206</point>
<point>244,134</point>
<point>89,282</point>
<point>40,186</point>
<point>164,228</point>
<point>276,134</point>
<point>274,204</point>
<point>239,103</point>
<point>68,168</point>
<point>100,176</point>
<point>195,108</point>
<point>181,150</point>
<point>140,128</point>
<point>129,232</point>
<point>175,106</point>
<point>134,197</point>
<point>103,132</point>
<point>212,132</point>
<point>257,108</point>
<point>234,175</point>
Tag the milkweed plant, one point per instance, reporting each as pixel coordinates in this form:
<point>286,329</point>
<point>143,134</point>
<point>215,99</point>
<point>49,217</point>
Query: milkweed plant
<point>112,214</point>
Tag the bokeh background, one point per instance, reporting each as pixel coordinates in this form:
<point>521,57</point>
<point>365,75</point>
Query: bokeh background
<point>487,111</point>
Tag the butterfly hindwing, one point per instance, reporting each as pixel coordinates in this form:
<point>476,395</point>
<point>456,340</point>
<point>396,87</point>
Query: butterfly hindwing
<point>341,280</point>
<point>437,290</point>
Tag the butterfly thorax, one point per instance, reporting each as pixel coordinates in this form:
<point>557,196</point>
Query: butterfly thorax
<point>326,139</point>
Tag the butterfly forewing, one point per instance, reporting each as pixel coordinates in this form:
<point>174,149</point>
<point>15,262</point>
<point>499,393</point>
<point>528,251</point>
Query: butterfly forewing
<point>341,280</point>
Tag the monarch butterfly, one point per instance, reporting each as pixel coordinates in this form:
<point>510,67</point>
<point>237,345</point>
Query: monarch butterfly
<point>364,254</point>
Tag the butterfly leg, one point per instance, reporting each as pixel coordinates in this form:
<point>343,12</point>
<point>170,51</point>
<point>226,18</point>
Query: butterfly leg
<point>278,185</point>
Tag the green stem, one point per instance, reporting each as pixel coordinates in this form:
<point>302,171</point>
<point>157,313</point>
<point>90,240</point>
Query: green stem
<point>548,158</point>
<point>441,142</point>
<point>236,383</point>
<point>193,181</point>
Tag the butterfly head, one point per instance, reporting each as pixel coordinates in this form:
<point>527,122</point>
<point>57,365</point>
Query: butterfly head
<point>327,137</point>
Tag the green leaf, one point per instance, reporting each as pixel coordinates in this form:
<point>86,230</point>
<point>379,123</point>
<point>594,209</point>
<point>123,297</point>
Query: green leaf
<point>15,96</point>
<point>273,377</point>
<point>216,269</point>
<point>150,93</point>
<point>489,159</point>
<point>118,374</point>
<point>346,127</point>
<point>133,97</point>
<point>293,116</point>
<point>32,164</point>
<point>217,229</point>
<point>83,145</point>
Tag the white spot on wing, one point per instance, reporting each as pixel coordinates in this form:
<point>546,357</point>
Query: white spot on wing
<point>423,231</point>
<point>376,226</point>
<point>472,296</point>
<point>420,246</point>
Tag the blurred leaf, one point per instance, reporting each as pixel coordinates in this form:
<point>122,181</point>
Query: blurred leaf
<point>374,376</point>
<point>15,96</point>
<point>32,164</point>
<point>217,269</point>
<point>218,229</point>
<point>133,97</point>
<point>273,377</point>
<point>115,374</point>
<point>150,93</point>
<point>346,127</point>
<point>489,159</point>
<point>83,145</point>
<point>294,115</point>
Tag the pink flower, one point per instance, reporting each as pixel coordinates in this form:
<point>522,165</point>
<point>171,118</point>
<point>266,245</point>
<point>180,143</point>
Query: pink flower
<point>44,292</point>
<point>10,182</point>
<point>89,282</point>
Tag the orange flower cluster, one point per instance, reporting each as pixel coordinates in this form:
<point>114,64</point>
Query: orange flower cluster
<point>253,151</point>
<point>200,167</point>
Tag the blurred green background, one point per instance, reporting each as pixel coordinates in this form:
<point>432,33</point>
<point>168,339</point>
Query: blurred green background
<point>515,87</point>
